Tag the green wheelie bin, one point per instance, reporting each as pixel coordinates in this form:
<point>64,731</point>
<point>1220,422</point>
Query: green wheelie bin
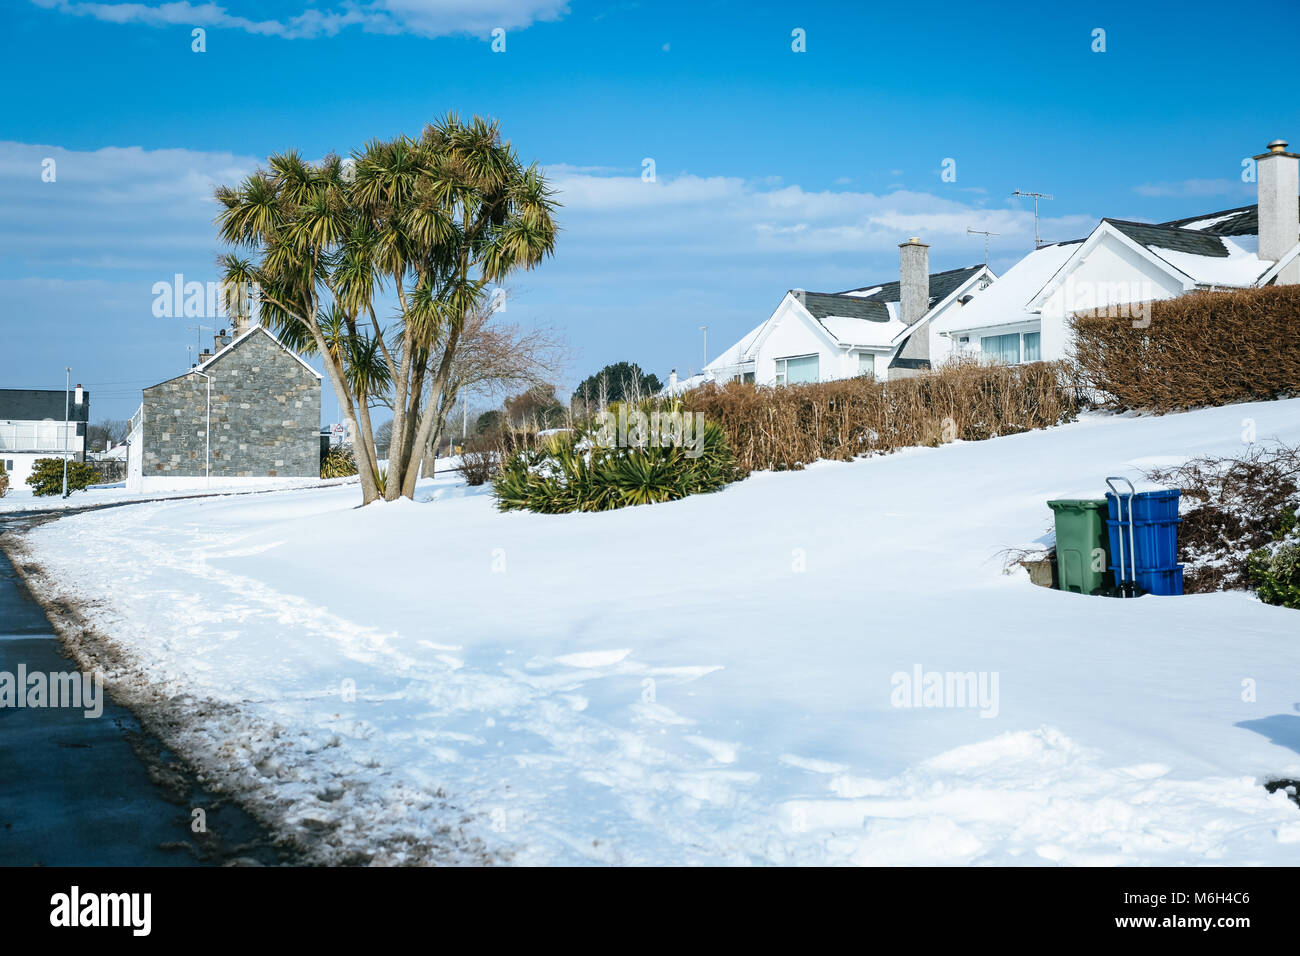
<point>1082,545</point>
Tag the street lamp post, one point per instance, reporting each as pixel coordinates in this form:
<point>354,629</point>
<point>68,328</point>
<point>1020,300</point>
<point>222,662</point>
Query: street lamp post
<point>67,413</point>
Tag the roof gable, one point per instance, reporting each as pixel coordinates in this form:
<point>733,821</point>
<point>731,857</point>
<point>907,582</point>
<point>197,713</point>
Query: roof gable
<point>217,356</point>
<point>227,350</point>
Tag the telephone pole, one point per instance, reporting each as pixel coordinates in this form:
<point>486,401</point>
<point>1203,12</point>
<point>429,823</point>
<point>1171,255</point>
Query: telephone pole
<point>67,414</point>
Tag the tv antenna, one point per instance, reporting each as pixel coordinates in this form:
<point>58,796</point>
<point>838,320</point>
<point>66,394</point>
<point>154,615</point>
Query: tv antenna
<point>198,336</point>
<point>981,232</point>
<point>1035,196</point>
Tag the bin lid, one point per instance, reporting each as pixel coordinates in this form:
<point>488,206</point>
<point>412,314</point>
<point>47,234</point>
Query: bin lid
<point>1077,504</point>
<point>1163,493</point>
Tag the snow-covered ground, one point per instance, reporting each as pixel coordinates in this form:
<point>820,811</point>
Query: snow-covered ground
<point>713,680</point>
<point>20,497</point>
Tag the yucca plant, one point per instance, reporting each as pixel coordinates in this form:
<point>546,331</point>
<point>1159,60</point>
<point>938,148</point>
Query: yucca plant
<point>339,462</point>
<point>581,470</point>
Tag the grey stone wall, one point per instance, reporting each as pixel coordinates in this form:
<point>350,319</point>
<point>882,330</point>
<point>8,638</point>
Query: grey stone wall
<point>265,417</point>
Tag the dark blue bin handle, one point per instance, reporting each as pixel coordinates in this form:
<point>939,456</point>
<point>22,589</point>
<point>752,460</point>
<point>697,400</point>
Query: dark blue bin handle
<point>1132,550</point>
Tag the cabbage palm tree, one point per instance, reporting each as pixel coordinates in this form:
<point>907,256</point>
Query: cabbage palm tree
<point>442,217</point>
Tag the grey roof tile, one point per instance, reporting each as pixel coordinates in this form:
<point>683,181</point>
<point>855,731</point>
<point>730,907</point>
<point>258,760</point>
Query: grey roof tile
<point>1241,221</point>
<point>1192,241</point>
<point>40,404</point>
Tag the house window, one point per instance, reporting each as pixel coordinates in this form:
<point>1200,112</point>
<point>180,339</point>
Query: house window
<point>1033,351</point>
<point>867,364</point>
<point>1002,349</point>
<point>745,378</point>
<point>796,369</point>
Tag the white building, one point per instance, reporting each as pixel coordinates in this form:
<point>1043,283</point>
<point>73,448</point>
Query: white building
<point>32,426</point>
<point>878,330</point>
<point>1024,317</point>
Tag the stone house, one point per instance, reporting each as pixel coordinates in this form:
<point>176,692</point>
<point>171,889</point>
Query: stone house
<point>249,413</point>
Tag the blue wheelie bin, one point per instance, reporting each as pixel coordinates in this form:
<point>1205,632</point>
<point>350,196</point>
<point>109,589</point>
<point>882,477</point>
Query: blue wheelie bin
<point>1143,533</point>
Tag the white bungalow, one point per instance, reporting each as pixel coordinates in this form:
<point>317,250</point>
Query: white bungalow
<point>879,330</point>
<point>1024,316</point>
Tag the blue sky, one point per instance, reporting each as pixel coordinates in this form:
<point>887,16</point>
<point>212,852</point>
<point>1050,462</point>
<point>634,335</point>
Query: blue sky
<point>774,169</point>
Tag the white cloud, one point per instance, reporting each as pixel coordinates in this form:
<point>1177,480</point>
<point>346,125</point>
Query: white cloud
<point>111,210</point>
<point>730,216</point>
<point>430,18</point>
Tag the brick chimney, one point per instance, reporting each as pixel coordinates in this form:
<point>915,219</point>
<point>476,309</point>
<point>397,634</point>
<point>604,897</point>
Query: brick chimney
<point>1278,174</point>
<point>914,280</point>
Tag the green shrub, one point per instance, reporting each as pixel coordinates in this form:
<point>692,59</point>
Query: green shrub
<point>4,480</point>
<point>590,469</point>
<point>47,476</point>
<point>339,462</point>
<point>1274,570</point>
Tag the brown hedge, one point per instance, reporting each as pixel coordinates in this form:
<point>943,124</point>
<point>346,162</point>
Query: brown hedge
<point>789,426</point>
<point>1201,349</point>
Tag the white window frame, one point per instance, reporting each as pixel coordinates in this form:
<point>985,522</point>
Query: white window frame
<point>781,367</point>
<point>1021,360</point>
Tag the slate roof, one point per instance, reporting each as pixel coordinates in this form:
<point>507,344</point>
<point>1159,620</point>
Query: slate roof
<point>942,285</point>
<point>822,305</point>
<point>1242,221</point>
<point>872,308</point>
<point>1192,241</point>
<point>39,404</point>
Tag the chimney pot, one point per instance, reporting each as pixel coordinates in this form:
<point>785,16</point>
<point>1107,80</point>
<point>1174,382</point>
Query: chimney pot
<point>1277,174</point>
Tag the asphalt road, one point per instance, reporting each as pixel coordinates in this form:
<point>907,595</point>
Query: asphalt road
<point>98,791</point>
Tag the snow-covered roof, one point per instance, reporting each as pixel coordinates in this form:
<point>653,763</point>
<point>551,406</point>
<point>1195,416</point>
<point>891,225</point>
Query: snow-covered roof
<point>849,332</point>
<point>859,318</point>
<point>1006,301</point>
<point>739,353</point>
<point>1200,255</point>
<point>686,384</point>
<point>1241,267</point>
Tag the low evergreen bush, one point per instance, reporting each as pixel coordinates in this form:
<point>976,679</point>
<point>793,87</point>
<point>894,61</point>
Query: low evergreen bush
<point>596,467</point>
<point>1274,570</point>
<point>339,462</point>
<point>47,476</point>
